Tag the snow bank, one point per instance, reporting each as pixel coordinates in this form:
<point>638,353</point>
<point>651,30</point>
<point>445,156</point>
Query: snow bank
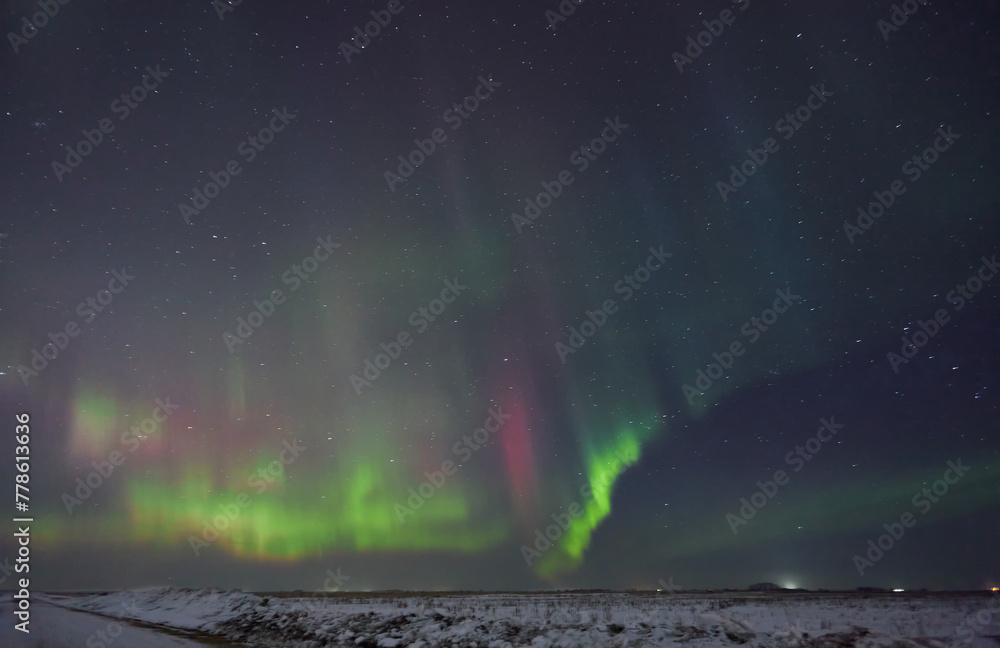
<point>563,620</point>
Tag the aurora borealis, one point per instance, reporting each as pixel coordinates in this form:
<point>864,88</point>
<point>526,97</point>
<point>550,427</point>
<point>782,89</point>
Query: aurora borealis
<point>459,304</point>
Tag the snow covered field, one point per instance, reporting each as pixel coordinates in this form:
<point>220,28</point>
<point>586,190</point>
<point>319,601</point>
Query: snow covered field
<point>52,626</point>
<point>547,620</point>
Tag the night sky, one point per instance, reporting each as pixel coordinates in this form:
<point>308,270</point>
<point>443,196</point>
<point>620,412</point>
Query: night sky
<point>285,300</point>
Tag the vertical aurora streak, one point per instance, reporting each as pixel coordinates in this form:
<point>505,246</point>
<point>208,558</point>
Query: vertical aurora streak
<point>605,463</point>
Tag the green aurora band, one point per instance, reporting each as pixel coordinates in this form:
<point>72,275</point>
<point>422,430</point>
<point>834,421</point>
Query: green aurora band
<point>606,461</point>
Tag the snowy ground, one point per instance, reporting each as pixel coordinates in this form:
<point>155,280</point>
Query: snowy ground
<point>53,626</point>
<point>693,620</point>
